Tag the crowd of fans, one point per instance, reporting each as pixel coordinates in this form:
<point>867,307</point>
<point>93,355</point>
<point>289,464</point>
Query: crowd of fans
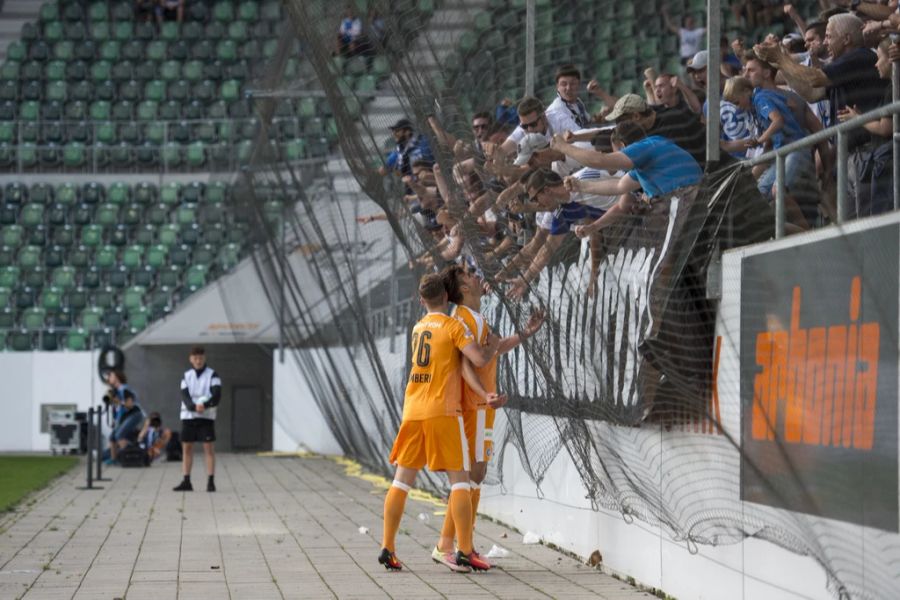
<point>546,173</point>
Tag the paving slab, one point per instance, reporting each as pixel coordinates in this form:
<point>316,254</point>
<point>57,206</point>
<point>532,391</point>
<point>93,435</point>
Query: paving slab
<point>279,528</point>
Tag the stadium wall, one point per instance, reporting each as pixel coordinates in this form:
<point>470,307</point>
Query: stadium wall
<point>31,379</point>
<point>788,285</point>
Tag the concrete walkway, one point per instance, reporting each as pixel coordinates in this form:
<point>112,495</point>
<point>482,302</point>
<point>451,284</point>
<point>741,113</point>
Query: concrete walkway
<point>277,528</point>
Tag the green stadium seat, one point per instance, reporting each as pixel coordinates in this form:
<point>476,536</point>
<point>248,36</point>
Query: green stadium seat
<point>107,215</point>
<point>148,110</point>
<point>34,318</point>
<point>20,341</point>
<point>168,235</point>
<point>101,31</point>
<point>145,192</point>
<point>156,50</point>
<point>16,52</point>
<point>118,192</point>
<point>223,11</point>
<point>204,254</point>
<point>7,256</point>
<point>195,155</point>
<point>12,235</point>
<point>119,235</point>
<point>192,193</point>
<point>169,31</point>
<point>123,31</point>
<point>132,257</point>
<point>157,256</point>
<point>91,236</point>
<point>74,155</point>
<point>63,277</point>
<point>155,133</point>
<point>195,278</point>
<point>155,90</point>
<point>248,11</point>
<point>138,319</point>
<point>171,155</point>
<point>41,193</point>
<point>170,70</point>
<point>77,340</point>
<point>64,50</point>
<point>98,11</point>
<point>5,296</point>
<point>53,31</point>
<point>32,214</point>
<point>180,256</point>
<point>91,317</point>
<point>133,297</point>
<point>170,193</point>
<point>77,298</point>
<point>105,257</point>
<point>51,298</point>
<point>132,214</point>
<point>185,215</point>
<point>111,50</point>
<point>9,276</point>
<point>226,51</point>
<point>90,278</point>
<point>104,297</point>
<point>10,71</point>
<point>144,31</point>
<point>63,235</point>
<point>54,256</point>
<point>55,71</point>
<point>29,111</point>
<point>157,214</point>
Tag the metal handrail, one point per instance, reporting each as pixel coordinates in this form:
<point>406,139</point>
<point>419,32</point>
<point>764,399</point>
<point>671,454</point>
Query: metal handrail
<point>840,130</point>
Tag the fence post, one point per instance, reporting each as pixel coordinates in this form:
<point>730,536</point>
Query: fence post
<point>895,96</point>
<point>529,48</point>
<point>841,177</point>
<point>779,196</point>
<point>99,439</point>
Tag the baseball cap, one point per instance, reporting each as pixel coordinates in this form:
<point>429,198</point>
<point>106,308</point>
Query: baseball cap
<point>626,105</point>
<point>699,62</point>
<point>528,145</point>
<point>403,123</point>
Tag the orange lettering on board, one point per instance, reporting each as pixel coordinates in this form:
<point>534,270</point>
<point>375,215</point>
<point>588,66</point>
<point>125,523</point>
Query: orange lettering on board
<point>818,386</point>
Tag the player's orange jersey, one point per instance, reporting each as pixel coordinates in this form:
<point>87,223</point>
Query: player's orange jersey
<point>487,374</point>
<point>434,388</point>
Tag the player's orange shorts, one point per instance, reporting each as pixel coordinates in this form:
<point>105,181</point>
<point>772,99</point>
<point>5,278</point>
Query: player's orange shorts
<point>479,433</point>
<point>439,442</point>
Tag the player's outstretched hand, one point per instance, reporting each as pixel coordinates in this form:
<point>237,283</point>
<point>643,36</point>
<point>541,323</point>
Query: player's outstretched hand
<point>496,400</point>
<point>534,322</point>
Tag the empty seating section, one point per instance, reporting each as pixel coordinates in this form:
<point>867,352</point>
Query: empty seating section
<point>81,265</point>
<point>88,88</point>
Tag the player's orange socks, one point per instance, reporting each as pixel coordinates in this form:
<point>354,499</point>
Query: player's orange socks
<point>393,512</point>
<point>448,531</point>
<point>476,496</point>
<point>461,510</point>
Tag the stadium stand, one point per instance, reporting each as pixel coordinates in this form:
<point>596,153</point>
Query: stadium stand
<point>88,88</point>
<point>84,265</point>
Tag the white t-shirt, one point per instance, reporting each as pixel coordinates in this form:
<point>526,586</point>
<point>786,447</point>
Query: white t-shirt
<point>691,39</point>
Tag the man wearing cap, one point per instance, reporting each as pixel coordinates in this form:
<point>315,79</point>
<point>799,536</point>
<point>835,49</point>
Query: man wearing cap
<point>410,148</point>
<point>682,127</point>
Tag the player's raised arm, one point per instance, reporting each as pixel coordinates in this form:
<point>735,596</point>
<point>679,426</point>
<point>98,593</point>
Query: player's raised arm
<point>534,323</point>
<point>481,355</point>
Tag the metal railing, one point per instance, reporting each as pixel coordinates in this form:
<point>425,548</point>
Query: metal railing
<point>840,130</point>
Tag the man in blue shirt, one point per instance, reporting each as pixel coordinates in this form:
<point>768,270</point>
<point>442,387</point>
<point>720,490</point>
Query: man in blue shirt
<point>411,147</point>
<point>653,164</point>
